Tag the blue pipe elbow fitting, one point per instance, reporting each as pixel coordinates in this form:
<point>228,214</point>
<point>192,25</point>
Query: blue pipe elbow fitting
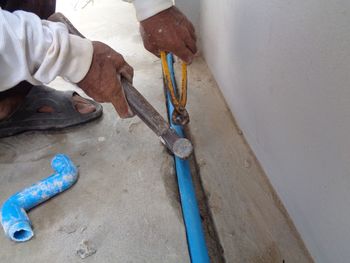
<point>14,219</point>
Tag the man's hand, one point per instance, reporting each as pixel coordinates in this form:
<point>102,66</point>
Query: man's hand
<point>103,80</point>
<point>169,31</point>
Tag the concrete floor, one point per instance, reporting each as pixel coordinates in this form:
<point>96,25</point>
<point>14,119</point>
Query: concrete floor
<point>125,201</point>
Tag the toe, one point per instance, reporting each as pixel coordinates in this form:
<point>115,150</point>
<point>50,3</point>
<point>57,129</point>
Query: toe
<point>82,105</point>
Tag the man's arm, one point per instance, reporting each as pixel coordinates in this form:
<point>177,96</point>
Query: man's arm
<point>38,51</point>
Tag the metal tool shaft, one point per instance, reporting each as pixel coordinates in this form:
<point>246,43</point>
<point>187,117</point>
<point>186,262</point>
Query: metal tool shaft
<point>181,147</point>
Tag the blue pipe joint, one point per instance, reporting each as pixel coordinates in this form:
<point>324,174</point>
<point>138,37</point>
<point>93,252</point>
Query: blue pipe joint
<point>14,219</point>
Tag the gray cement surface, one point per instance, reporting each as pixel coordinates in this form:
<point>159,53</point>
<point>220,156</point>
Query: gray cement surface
<point>125,203</point>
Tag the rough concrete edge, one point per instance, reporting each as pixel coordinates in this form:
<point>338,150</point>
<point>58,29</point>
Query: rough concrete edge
<point>215,249</point>
<point>274,194</point>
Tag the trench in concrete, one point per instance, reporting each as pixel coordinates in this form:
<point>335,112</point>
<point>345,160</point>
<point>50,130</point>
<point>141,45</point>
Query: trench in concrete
<point>215,250</point>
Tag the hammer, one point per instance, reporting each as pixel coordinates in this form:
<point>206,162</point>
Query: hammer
<point>179,146</point>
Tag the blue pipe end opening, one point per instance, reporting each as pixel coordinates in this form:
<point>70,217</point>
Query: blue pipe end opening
<point>21,231</point>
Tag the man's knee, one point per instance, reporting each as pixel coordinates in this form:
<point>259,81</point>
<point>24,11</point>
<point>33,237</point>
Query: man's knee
<point>42,8</point>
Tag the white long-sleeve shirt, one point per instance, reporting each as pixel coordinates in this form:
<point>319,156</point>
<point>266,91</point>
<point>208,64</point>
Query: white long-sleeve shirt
<point>38,51</point>
<point>148,8</point>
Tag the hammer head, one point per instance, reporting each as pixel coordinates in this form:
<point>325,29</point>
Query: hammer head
<point>182,148</point>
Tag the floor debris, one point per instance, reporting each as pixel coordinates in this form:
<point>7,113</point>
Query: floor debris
<point>247,164</point>
<point>101,139</point>
<point>201,162</point>
<point>83,229</point>
<point>132,126</point>
<point>68,229</point>
<point>86,248</point>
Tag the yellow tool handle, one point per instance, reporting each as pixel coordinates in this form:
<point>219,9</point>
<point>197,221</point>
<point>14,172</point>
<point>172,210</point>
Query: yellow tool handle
<point>181,102</point>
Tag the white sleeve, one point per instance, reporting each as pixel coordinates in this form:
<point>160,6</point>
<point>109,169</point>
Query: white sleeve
<point>148,8</point>
<point>38,51</point>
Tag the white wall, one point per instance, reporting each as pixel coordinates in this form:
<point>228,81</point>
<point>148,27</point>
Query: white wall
<point>284,69</point>
<point>191,9</point>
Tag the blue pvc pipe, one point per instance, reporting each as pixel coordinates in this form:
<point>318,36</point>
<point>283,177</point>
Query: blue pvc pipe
<point>194,231</point>
<point>14,219</point>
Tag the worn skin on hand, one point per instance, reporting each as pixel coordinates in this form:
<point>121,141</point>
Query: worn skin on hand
<point>169,31</point>
<point>103,80</point>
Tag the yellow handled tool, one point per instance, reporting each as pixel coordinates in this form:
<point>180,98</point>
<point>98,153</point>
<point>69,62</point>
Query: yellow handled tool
<point>180,114</point>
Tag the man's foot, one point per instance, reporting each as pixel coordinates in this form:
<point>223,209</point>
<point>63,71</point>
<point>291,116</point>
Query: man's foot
<point>42,108</point>
<point>9,104</point>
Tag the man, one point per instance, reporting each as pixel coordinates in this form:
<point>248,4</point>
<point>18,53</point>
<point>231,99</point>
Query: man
<point>35,51</point>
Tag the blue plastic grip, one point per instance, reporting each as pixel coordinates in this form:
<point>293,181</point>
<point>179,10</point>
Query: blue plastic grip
<point>14,219</point>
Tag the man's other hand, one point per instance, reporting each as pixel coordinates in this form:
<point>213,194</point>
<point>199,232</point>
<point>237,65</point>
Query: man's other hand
<point>169,31</point>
